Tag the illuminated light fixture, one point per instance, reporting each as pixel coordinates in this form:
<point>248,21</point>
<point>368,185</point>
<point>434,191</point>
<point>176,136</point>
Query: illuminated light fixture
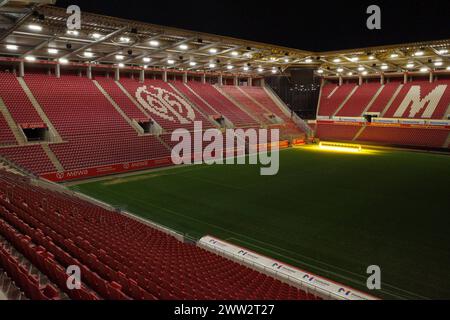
<point>119,57</point>
<point>154,43</point>
<point>384,67</point>
<point>170,61</point>
<point>192,63</point>
<point>72,32</point>
<point>371,58</point>
<point>274,71</point>
<point>96,36</point>
<point>394,55</point>
<point>30,58</point>
<point>438,63</point>
<point>350,73</point>
<point>121,65</point>
<point>246,68</point>
<point>361,69</point>
<point>419,53</point>
<point>234,53</point>
<point>424,69</point>
<point>354,59</point>
<point>340,147</point>
<point>229,67</point>
<point>410,65</point>
<point>53,51</point>
<point>320,71</point>
<point>340,70</point>
<point>337,60</point>
<point>248,55</point>
<point>88,54</point>
<point>183,46</point>
<point>364,73</point>
<point>448,68</point>
<point>12,47</point>
<point>146,59</point>
<point>309,60</point>
<point>443,51</point>
<point>212,51</point>
<point>260,69</point>
<point>124,39</point>
<point>286,60</point>
<point>63,60</point>
<point>212,65</point>
<point>35,27</point>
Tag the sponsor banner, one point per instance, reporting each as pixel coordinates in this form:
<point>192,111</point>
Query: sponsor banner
<point>349,119</point>
<point>33,125</point>
<point>385,120</point>
<point>107,170</point>
<point>412,121</point>
<point>323,118</point>
<point>445,123</point>
<point>304,278</point>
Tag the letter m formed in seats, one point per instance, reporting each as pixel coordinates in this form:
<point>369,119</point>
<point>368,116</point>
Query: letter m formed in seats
<point>416,104</point>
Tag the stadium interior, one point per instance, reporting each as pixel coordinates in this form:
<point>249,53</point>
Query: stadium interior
<point>99,105</point>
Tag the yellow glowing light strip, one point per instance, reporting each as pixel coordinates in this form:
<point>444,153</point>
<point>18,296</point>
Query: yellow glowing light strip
<point>340,147</point>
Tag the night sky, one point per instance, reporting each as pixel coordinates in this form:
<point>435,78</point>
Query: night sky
<point>314,25</point>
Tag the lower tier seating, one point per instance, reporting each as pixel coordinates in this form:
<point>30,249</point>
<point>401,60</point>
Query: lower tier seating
<point>405,136</point>
<point>119,258</point>
<point>116,148</point>
<point>336,132</point>
<point>398,136</point>
<point>31,157</point>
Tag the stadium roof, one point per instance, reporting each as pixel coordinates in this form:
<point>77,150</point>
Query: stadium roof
<point>41,32</point>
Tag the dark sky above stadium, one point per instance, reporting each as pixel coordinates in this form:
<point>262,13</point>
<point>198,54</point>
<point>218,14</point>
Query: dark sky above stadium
<point>309,25</point>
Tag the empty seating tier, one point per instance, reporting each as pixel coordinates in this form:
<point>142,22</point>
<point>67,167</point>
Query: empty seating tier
<point>31,157</point>
<point>222,104</point>
<point>119,258</point>
<point>75,106</point>
<point>164,105</point>
<point>17,102</point>
<point>253,108</point>
<point>6,135</point>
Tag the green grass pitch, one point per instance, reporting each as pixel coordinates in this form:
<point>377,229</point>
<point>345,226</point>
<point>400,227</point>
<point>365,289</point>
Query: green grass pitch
<point>333,214</point>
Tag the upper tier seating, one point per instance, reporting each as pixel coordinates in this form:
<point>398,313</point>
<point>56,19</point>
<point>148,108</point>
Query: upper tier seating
<point>121,98</point>
<point>17,101</point>
<point>358,102</point>
<point>201,104</point>
<point>260,95</point>
<point>75,106</point>
<point>253,108</point>
<point>222,104</point>
<point>158,109</point>
<point>402,106</point>
<point>408,103</point>
<point>384,97</point>
<point>332,98</point>
<point>120,258</point>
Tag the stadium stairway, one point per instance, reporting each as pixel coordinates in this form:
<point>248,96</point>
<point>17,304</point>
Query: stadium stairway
<point>54,135</point>
<point>226,93</point>
<point>14,135</point>
<point>192,103</point>
<point>132,123</point>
